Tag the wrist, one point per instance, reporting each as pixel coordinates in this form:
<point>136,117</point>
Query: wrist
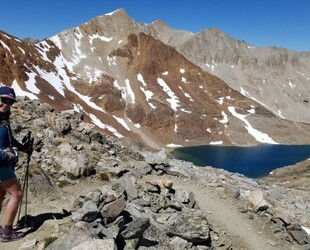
<point>10,155</point>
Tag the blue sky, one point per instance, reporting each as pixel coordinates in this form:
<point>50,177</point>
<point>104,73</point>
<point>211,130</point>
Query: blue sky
<point>281,23</point>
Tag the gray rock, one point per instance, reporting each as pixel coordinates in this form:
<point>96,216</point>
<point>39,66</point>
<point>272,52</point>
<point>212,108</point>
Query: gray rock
<point>97,244</point>
<point>155,158</point>
<point>129,187</point>
<point>142,167</point>
<point>256,200</point>
<point>113,209</point>
<point>192,228</point>
<point>181,196</point>
<point>280,214</point>
<point>299,234</point>
<point>88,212</point>
<point>75,237</point>
<point>135,228</point>
<point>179,243</point>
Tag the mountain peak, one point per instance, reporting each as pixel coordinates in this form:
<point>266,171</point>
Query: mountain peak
<point>117,13</point>
<point>31,40</point>
<point>215,30</point>
<point>160,23</point>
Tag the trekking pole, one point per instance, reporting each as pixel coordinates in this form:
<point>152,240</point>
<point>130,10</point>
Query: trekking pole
<point>26,175</point>
<point>21,202</point>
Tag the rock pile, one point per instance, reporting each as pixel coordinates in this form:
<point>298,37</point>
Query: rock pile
<point>130,212</point>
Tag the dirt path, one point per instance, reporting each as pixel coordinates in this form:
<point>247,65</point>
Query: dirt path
<point>241,229</point>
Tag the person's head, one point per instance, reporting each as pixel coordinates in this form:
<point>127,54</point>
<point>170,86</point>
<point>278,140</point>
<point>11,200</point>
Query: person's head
<point>7,98</point>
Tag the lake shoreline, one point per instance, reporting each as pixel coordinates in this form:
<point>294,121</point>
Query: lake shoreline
<point>253,162</point>
<point>293,176</point>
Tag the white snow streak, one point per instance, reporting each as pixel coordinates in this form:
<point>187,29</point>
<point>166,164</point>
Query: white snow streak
<point>127,92</point>
<point>306,229</point>
<point>97,122</point>
<point>216,143</point>
<point>171,145</point>
<point>30,84</point>
<point>102,38</point>
<point>259,136</point>
<point>122,122</point>
<point>173,100</point>
<point>20,92</point>
<point>5,46</point>
<point>225,118</point>
<point>148,94</point>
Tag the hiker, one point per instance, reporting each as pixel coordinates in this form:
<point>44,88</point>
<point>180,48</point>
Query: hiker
<point>8,159</point>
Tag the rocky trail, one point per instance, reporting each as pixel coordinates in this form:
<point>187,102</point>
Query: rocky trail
<point>241,229</point>
<point>232,227</point>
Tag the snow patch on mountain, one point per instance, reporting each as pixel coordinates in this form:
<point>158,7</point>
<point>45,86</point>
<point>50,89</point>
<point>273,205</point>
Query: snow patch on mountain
<point>20,92</point>
<point>173,100</point>
<point>148,94</point>
<point>258,135</point>
<point>100,124</point>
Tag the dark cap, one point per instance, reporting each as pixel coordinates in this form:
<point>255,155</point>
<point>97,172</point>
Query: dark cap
<point>7,92</point>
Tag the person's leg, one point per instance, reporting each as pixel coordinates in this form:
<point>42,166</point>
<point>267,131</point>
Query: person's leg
<point>13,187</point>
<point>2,195</point>
<point>6,173</point>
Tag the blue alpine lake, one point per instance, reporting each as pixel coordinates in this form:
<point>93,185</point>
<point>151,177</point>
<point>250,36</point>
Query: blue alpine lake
<point>253,162</point>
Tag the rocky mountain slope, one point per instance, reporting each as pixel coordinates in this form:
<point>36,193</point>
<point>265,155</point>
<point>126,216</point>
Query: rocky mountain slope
<point>275,77</point>
<point>92,191</point>
<point>138,81</point>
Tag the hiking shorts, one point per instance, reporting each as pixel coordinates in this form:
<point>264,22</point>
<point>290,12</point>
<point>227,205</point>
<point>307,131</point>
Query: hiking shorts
<point>7,169</point>
<point>7,173</point>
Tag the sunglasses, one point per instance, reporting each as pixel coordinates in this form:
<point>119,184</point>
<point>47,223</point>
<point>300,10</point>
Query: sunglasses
<point>7,101</point>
